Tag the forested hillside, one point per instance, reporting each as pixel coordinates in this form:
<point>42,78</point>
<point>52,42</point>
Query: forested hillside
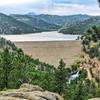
<point>80,27</point>
<point>22,24</point>
<point>62,20</point>
<point>9,25</point>
<point>36,22</point>
<point>17,68</point>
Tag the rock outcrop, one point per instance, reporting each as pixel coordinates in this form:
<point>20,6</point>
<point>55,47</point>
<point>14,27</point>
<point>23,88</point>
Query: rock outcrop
<point>29,92</point>
<point>95,99</point>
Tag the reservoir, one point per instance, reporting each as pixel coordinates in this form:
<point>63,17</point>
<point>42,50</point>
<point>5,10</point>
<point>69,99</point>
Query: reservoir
<point>43,36</point>
<point>49,47</point>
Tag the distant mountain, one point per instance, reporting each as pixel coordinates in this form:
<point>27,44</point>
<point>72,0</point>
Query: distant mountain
<point>62,20</point>
<point>31,13</point>
<point>9,25</point>
<point>81,27</point>
<point>36,22</point>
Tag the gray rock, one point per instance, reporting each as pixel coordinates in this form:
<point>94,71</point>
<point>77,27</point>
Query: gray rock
<point>29,92</point>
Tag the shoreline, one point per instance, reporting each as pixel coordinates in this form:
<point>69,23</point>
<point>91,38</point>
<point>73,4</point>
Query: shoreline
<point>48,41</point>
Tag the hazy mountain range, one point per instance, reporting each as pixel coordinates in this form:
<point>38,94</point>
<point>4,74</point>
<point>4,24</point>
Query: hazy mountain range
<point>32,23</point>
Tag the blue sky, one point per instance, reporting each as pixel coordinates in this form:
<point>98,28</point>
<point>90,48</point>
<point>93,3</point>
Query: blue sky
<point>54,7</point>
<point>85,2</point>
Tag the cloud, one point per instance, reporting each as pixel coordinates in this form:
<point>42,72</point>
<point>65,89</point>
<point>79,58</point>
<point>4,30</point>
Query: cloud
<point>10,2</point>
<point>54,7</point>
<point>70,9</point>
<point>23,6</point>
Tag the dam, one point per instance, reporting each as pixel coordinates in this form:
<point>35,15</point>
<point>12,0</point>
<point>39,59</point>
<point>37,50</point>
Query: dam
<point>52,51</point>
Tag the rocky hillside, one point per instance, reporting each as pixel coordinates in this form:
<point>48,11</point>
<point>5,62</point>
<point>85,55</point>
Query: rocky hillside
<point>95,99</point>
<point>28,92</point>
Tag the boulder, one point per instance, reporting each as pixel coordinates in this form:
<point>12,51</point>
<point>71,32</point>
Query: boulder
<point>95,99</point>
<point>10,98</point>
<point>29,92</point>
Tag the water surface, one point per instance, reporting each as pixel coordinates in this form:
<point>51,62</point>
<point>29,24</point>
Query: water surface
<point>44,36</point>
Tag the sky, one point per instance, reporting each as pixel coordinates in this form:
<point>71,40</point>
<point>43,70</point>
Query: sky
<point>53,7</point>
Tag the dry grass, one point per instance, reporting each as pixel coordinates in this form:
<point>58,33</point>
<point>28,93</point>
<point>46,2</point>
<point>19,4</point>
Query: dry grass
<point>52,51</point>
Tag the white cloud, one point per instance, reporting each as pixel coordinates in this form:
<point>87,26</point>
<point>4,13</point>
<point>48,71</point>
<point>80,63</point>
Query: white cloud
<point>9,2</point>
<point>70,9</point>
<point>15,2</point>
<point>47,7</point>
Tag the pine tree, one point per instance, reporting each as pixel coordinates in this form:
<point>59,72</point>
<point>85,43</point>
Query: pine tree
<point>7,67</point>
<point>60,77</point>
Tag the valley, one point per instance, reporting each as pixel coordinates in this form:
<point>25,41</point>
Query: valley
<point>70,24</point>
<point>50,50</point>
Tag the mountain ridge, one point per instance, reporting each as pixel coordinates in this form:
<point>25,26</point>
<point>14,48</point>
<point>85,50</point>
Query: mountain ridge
<point>23,24</point>
<point>36,22</point>
<point>81,27</point>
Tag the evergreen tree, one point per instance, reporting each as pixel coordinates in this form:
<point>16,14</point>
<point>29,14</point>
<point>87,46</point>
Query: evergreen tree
<point>6,66</point>
<point>60,77</point>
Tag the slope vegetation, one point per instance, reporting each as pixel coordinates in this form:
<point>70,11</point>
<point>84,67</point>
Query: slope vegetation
<point>36,22</point>
<point>9,25</point>
<point>80,27</point>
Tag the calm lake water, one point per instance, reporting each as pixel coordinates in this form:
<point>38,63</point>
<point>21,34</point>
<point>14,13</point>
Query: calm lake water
<point>44,36</point>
